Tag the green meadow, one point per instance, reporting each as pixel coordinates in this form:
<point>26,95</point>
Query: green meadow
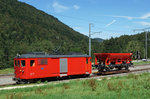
<point>125,87</point>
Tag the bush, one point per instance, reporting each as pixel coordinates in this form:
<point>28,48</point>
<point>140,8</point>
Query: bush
<point>92,84</point>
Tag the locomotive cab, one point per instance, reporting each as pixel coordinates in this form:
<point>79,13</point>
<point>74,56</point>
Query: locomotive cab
<point>19,68</point>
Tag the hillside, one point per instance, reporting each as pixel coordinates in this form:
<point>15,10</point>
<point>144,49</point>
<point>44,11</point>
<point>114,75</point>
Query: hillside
<point>99,39</point>
<point>24,28</point>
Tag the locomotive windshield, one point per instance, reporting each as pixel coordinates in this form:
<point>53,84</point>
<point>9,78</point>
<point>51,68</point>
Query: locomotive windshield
<point>23,63</point>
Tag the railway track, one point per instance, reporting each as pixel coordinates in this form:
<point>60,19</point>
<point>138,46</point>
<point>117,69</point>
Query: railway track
<point>94,75</point>
<point>1,75</point>
<point>122,71</point>
<point>5,85</point>
<point>11,74</point>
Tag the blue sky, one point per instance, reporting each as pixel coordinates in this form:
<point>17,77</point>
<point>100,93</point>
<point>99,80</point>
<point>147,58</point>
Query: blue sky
<point>112,17</point>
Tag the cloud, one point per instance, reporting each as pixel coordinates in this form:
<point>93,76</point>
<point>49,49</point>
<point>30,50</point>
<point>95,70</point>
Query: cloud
<point>76,28</point>
<point>76,7</point>
<point>144,23</point>
<point>115,34</point>
<point>59,8</point>
<point>145,16</point>
<point>126,17</point>
<point>110,23</point>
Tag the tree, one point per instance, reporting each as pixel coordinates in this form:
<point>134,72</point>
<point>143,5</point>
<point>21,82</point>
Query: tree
<point>134,46</point>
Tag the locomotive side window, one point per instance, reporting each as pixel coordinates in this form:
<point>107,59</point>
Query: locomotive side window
<point>32,63</point>
<point>15,62</point>
<point>42,62</point>
<point>87,61</point>
<point>23,63</point>
<point>18,63</point>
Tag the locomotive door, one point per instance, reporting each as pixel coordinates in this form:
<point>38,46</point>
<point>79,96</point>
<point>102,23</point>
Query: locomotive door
<point>17,68</point>
<point>63,65</point>
<point>32,69</point>
<point>88,65</point>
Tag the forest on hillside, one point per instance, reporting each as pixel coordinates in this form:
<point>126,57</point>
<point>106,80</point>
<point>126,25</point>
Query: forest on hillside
<point>127,44</point>
<point>24,29</point>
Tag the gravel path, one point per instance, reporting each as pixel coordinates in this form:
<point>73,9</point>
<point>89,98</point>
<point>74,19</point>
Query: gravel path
<point>6,80</point>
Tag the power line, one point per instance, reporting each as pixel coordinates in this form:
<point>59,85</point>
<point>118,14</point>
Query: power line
<point>103,29</point>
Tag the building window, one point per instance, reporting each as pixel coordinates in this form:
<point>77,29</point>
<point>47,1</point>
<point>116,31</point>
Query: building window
<point>23,63</point>
<point>32,63</point>
<point>42,62</point>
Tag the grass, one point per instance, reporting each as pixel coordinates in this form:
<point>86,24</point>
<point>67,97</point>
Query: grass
<point>7,71</point>
<point>127,87</point>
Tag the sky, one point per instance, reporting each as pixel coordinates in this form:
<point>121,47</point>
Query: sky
<point>109,18</point>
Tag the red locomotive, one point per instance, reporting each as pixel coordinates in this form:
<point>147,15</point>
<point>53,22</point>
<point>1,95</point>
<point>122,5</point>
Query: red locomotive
<point>111,61</point>
<point>36,65</point>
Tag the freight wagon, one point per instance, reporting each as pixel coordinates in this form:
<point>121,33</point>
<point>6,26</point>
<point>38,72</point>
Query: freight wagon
<point>112,61</point>
<point>37,65</point>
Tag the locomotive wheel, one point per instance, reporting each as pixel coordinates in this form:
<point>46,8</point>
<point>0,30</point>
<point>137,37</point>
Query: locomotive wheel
<point>86,75</point>
<point>17,82</point>
<point>119,68</point>
<point>107,69</point>
<point>126,68</point>
<point>100,70</point>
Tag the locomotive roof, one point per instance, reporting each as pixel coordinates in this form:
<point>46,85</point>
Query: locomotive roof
<point>44,55</point>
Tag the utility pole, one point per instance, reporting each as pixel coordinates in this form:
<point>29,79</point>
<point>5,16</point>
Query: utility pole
<point>146,45</point>
<point>145,40</point>
<point>90,34</point>
<point>91,24</point>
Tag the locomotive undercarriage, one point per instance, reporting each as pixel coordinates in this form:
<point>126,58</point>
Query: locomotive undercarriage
<point>24,81</point>
<point>48,79</point>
